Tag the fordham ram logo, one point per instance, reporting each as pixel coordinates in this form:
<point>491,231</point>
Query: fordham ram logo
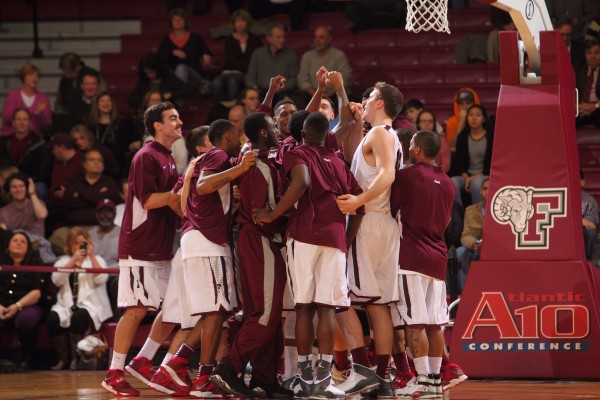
<point>530,212</point>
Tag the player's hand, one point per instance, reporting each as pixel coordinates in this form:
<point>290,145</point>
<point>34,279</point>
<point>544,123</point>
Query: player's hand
<point>348,203</point>
<point>276,84</point>
<point>248,160</point>
<point>190,170</point>
<point>262,216</point>
<point>322,75</point>
<point>336,80</point>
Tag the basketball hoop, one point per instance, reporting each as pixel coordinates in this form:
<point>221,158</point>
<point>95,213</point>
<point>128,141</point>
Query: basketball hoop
<point>424,15</point>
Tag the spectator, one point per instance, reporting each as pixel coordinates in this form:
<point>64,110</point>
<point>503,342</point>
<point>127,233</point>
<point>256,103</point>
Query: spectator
<point>501,21</point>
<point>153,74</point>
<point>236,115</point>
<point>197,142</point>
<point>27,96</point>
<point>322,55</point>
<point>81,301</point>
<point>5,172</point>
<point>412,108</point>
<point>83,194</point>
<point>426,121</point>
<point>271,60</point>
<point>79,109</point>
<point>575,47</point>
<point>20,293</point>
<point>473,157</point>
<point>73,69</point>
<point>84,140</point>
<point>25,210</point>
<point>67,165</point>
<point>588,86</point>
<point>26,151</point>
<point>185,52</point>
<point>578,12</point>
<point>250,99</point>
<point>109,128</point>
<point>238,50</point>
<point>463,99</point>
<point>589,219</point>
<point>472,235</point>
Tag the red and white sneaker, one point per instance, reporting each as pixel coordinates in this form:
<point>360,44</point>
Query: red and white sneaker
<point>162,382</point>
<point>452,375</point>
<point>402,379</point>
<point>177,369</point>
<point>115,383</point>
<point>140,368</point>
<point>202,388</point>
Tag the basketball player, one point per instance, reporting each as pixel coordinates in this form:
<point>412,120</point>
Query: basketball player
<point>262,272</point>
<point>373,263</point>
<point>206,255</point>
<point>144,256</point>
<point>316,249</point>
<point>425,211</point>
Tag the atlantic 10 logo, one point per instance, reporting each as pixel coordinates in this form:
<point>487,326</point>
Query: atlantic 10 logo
<point>545,322</point>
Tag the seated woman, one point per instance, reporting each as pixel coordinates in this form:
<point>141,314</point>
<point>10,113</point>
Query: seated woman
<point>82,301</point>
<point>473,157</point>
<point>108,127</point>
<point>84,140</point>
<point>426,121</point>
<point>25,210</point>
<point>238,49</point>
<point>27,96</point>
<point>153,74</point>
<point>185,52</point>
<point>20,293</point>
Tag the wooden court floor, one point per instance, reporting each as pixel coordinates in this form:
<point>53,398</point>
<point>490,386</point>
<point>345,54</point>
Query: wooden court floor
<point>68,385</point>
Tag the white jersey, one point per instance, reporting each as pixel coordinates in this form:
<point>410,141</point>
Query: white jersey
<point>365,174</point>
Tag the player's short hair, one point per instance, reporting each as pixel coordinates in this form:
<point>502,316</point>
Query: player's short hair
<point>316,125</point>
<point>253,124</point>
<point>195,138</point>
<point>296,124</point>
<point>155,114</point>
<point>283,102</point>
<point>429,141</point>
<point>218,128</point>
<point>392,99</point>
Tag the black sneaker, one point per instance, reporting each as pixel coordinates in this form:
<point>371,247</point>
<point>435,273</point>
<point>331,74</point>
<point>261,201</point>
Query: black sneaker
<point>384,391</point>
<point>271,390</point>
<point>226,378</point>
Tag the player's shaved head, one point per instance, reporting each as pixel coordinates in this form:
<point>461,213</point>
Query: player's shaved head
<point>316,127</point>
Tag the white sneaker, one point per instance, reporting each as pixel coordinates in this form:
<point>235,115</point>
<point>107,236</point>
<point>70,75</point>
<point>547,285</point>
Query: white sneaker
<point>361,379</point>
<point>420,388</point>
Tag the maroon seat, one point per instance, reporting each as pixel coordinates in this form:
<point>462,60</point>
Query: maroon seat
<point>335,21</point>
<point>592,178</point>
<point>589,155</point>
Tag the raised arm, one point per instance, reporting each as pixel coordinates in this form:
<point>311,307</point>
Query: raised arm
<point>210,182</point>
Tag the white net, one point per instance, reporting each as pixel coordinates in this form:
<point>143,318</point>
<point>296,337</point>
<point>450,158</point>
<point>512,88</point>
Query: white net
<point>424,15</point>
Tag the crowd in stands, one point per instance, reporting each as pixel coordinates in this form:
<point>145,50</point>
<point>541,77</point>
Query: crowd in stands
<point>63,167</point>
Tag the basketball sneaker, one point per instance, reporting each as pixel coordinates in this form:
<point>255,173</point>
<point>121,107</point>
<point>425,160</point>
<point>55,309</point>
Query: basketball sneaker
<point>437,383</point>
<point>361,379</point>
<point>115,383</point>
<point>452,375</point>
<point>339,375</point>
<point>402,379</point>
<point>161,381</point>
<point>203,389</point>
<point>226,378</point>
<point>271,390</point>
<point>383,391</point>
<point>177,370</point>
<point>324,389</point>
<point>140,368</point>
<point>419,388</point>
<point>302,389</point>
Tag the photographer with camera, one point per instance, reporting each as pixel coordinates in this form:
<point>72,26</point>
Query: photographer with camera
<point>82,302</point>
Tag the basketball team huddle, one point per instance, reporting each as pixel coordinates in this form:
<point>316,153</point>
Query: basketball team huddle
<point>310,225</point>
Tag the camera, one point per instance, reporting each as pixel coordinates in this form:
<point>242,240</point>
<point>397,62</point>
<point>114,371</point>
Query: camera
<point>83,245</point>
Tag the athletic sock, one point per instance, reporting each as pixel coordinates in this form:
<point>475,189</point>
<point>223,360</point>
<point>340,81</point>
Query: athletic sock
<point>149,349</point>
<point>184,351</point>
<point>166,359</point>
<point>401,361</point>
<point>341,359</point>
<point>383,364</point>
<point>118,361</point>
<point>435,364</point>
<point>360,356</point>
<point>305,367</point>
<point>205,369</point>
<point>324,366</point>
<point>422,365</point>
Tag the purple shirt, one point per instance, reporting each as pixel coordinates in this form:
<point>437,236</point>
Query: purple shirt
<point>148,235</point>
<point>210,213</point>
<point>424,194</point>
<point>317,219</point>
<point>260,187</point>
